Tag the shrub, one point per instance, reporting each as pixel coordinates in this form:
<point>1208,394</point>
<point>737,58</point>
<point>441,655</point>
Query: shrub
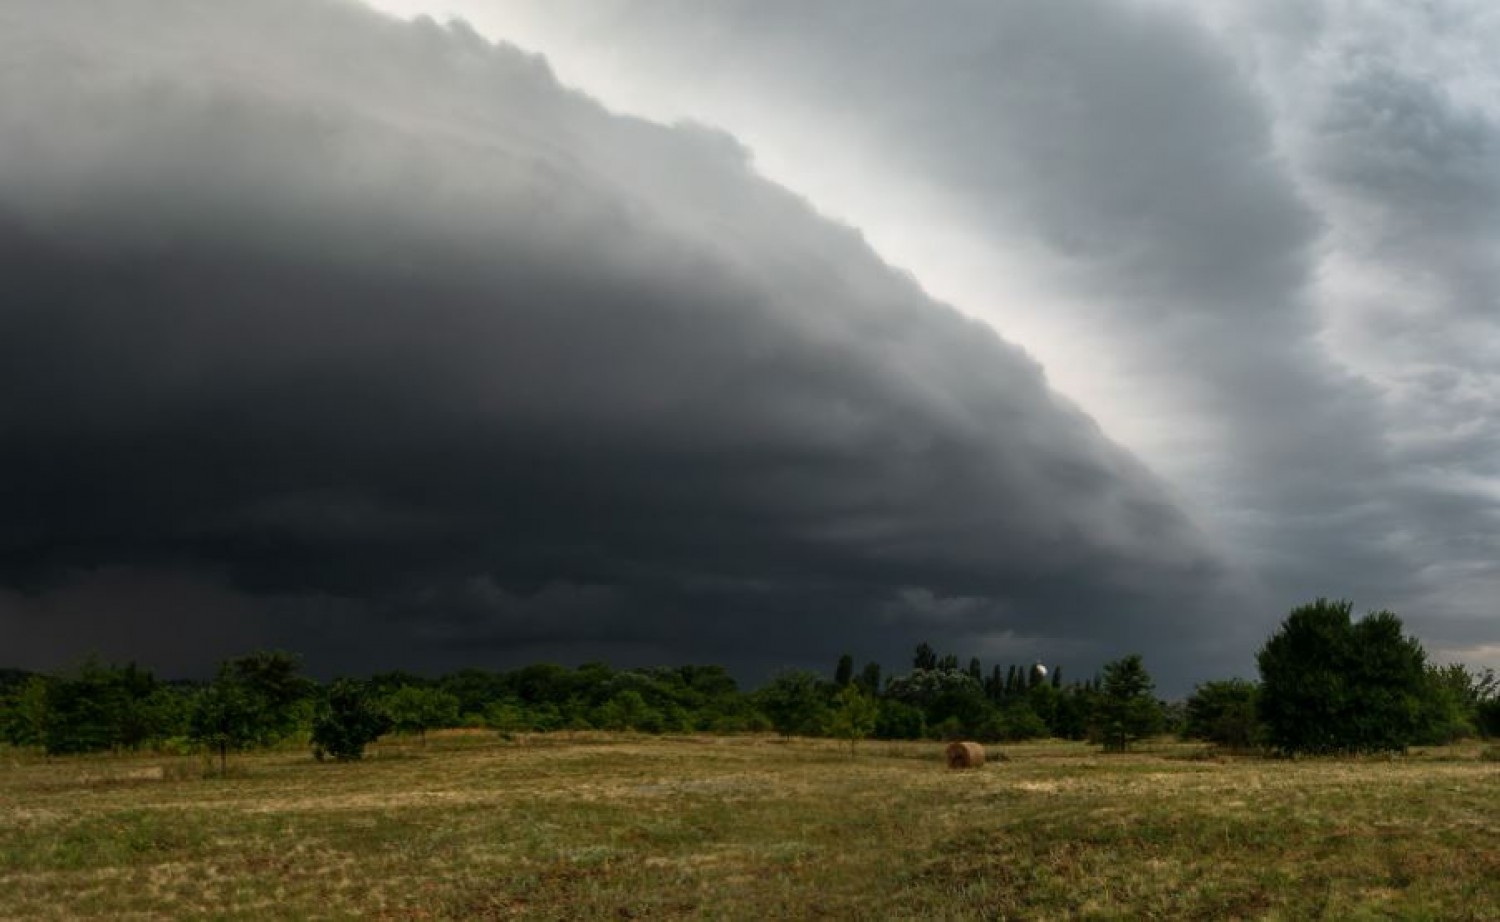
<point>348,721</point>
<point>1223,713</point>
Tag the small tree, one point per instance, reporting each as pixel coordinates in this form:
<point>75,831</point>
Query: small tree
<point>854,715</point>
<point>507,717</point>
<point>844,673</point>
<point>25,713</point>
<point>347,722</point>
<point>924,657</point>
<point>254,700</point>
<point>272,681</point>
<point>417,708</point>
<point>1448,707</point>
<point>1223,713</point>
<point>1126,710</point>
<point>224,717</point>
<point>1485,692</point>
<point>1044,700</point>
<point>628,710</point>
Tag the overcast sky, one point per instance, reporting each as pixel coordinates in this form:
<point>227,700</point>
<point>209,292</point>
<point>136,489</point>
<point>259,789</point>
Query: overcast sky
<point>745,331</point>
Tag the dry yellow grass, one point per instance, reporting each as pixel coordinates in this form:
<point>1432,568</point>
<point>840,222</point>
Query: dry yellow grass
<point>749,827</point>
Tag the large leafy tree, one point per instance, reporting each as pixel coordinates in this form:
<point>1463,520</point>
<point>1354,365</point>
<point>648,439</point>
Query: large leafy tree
<point>951,701</point>
<point>1333,685</point>
<point>1126,710</point>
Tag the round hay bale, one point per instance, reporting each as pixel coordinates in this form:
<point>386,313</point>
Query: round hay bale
<point>965,755</point>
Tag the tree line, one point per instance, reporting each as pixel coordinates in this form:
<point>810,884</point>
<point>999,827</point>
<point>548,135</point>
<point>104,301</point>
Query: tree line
<point>1328,684</point>
<point>1333,685</point>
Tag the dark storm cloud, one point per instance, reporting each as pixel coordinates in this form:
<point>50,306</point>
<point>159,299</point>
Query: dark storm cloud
<point>411,357</point>
<point>1195,201</point>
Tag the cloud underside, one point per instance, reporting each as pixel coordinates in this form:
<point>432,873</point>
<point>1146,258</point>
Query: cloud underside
<point>369,338</point>
<point>1265,233</point>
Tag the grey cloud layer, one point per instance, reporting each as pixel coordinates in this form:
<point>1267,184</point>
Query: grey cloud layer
<point>1397,141</point>
<point>1204,196</point>
<point>409,356</point>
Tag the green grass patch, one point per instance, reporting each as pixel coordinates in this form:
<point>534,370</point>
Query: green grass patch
<point>469,826</point>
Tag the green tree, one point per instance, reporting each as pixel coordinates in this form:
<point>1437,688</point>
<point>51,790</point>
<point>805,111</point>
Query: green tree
<point>924,657</point>
<point>418,708</point>
<point>225,718</point>
<point>272,681</point>
<point>1075,712</point>
<point>1449,710</point>
<point>1017,719</point>
<point>844,674</point>
<point>1486,697</point>
<point>898,720</point>
<point>796,701</point>
<point>1044,701</point>
<point>167,711</point>
<point>854,715</point>
<point>1331,685</point>
<point>23,719</point>
<point>952,702</point>
<point>99,707</point>
<point>628,710</point>
<point>1224,713</point>
<point>475,689</point>
<point>348,720</point>
<point>994,685</point>
<point>507,717</point>
<point>254,700</point>
<point>1126,710</point>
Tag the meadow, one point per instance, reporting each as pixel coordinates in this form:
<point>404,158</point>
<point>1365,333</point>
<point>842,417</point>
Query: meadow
<point>469,825</point>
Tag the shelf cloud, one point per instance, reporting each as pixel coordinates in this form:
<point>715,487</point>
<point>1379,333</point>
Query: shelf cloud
<point>370,339</point>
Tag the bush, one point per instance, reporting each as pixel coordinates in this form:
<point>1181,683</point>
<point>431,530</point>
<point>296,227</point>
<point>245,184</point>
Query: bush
<point>1223,713</point>
<point>796,701</point>
<point>348,721</point>
<point>1019,722</point>
<point>899,721</point>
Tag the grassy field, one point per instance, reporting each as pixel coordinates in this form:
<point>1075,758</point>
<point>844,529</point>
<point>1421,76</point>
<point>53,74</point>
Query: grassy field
<point>471,826</point>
